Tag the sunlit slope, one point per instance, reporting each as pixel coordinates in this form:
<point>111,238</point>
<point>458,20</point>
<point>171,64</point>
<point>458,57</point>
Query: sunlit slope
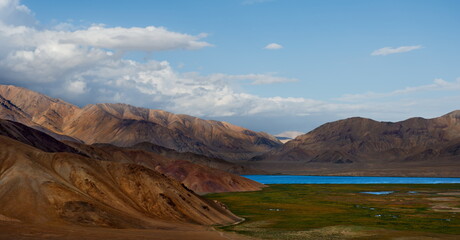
<point>42,187</point>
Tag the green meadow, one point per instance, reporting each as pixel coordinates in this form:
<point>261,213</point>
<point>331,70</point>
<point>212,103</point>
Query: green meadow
<point>342,211</point>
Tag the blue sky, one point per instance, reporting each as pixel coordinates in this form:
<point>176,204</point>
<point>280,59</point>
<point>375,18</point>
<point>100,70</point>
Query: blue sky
<point>386,60</point>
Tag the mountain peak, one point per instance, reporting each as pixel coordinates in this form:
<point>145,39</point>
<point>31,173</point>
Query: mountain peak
<point>454,114</point>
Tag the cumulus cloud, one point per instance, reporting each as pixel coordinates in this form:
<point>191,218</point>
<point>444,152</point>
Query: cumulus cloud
<point>273,46</point>
<point>77,87</point>
<point>80,66</point>
<point>391,50</point>
<point>97,36</point>
<point>30,54</point>
<point>86,65</point>
<point>14,13</point>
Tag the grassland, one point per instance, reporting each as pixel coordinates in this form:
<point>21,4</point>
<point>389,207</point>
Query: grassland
<point>343,212</point>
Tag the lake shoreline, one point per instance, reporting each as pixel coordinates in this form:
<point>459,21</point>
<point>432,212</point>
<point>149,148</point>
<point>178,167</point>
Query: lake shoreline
<point>311,179</point>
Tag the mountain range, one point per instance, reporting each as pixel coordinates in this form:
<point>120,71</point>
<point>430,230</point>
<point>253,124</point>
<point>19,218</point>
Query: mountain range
<point>360,146</point>
<point>51,190</point>
<point>353,146</point>
<point>50,179</point>
<point>120,166</point>
<point>125,125</point>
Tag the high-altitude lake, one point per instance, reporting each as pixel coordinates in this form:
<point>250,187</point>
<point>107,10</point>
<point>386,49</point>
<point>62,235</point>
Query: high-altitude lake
<point>292,179</point>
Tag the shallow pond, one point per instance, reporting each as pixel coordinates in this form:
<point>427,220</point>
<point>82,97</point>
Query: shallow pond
<point>379,193</point>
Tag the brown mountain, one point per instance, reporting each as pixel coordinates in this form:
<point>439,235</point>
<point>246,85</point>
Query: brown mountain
<point>40,187</point>
<point>198,159</point>
<point>201,178</point>
<point>125,125</point>
<point>197,177</point>
<point>32,137</point>
<point>10,111</point>
<point>359,146</point>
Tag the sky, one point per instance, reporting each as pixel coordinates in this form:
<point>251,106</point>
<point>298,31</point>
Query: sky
<point>267,65</point>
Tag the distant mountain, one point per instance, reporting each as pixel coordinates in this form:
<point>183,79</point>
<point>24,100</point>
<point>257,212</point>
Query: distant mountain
<point>359,146</point>
<point>285,137</point>
<point>66,188</point>
<point>125,125</point>
<point>289,134</point>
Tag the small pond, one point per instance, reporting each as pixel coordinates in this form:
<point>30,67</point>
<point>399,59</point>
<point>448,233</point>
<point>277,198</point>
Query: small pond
<point>379,193</point>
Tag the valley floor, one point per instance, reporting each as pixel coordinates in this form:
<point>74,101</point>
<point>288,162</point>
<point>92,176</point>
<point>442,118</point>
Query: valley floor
<point>342,211</point>
<point>20,231</point>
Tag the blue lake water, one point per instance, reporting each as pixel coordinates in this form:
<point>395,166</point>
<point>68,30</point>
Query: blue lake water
<point>291,179</point>
<point>379,193</point>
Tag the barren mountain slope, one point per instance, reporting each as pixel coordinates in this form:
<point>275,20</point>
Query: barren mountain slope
<point>32,137</point>
<point>39,187</point>
<point>125,125</point>
<point>40,109</point>
<point>356,144</point>
<point>197,177</point>
<point>198,159</point>
<point>10,111</point>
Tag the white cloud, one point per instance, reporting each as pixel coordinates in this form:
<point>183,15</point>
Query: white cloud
<point>143,39</point>
<point>273,46</point>
<point>391,50</point>
<point>29,54</point>
<point>83,63</point>
<point>86,66</point>
<point>50,62</point>
<point>77,87</point>
<point>14,13</point>
<point>117,38</point>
